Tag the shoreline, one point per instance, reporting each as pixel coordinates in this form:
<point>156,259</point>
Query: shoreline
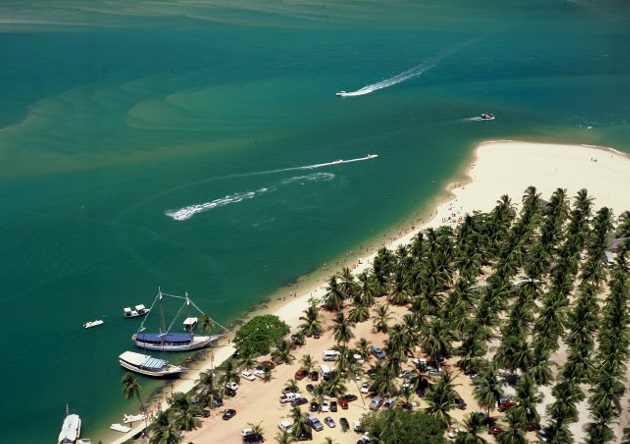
<point>478,185</point>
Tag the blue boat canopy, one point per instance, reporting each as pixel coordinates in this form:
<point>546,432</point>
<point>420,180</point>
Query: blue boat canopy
<point>171,338</point>
<point>153,363</point>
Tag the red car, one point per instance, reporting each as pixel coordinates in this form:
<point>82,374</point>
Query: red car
<point>506,405</point>
<point>300,374</point>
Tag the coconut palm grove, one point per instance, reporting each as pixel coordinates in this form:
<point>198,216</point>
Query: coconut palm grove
<point>526,299</point>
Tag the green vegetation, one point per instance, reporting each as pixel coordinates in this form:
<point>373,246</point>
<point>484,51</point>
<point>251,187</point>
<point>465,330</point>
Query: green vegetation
<point>398,426</point>
<point>259,334</point>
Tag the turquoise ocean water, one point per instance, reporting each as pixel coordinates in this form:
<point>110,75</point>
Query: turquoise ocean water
<point>116,114</point>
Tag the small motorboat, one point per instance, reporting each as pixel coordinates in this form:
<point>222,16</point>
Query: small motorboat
<point>337,161</point>
<point>487,116</point>
<point>372,156</point>
<point>95,323</point>
<point>341,93</point>
<point>137,311</point>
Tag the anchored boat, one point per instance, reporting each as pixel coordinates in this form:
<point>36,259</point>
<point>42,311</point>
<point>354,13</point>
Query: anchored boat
<point>71,428</point>
<point>136,312</point>
<point>149,366</point>
<point>164,339</point>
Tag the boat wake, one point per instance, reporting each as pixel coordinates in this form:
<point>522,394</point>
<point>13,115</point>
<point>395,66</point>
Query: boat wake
<point>399,78</point>
<point>189,211</point>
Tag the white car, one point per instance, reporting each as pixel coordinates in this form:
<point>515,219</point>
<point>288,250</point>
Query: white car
<point>247,431</point>
<point>325,407</point>
<point>248,375</point>
<point>231,386</point>
<point>365,387</point>
<point>285,426</point>
<point>259,374</point>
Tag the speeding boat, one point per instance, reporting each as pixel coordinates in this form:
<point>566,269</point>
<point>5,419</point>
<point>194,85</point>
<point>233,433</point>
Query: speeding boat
<point>337,161</point>
<point>341,93</point>
<point>372,156</point>
<point>487,116</point>
<point>95,323</point>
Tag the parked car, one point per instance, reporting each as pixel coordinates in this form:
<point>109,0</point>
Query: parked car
<point>247,431</point>
<point>288,397</point>
<point>205,413</point>
<point>231,386</point>
<point>377,401</point>
<point>314,376</point>
<point>315,423</point>
<point>325,407</point>
<point>285,426</point>
<point>365,387</point>
<point>377,351</point>
<point>228,414</point>
<point>349,397</point>
<point>305,435</point>
<point>259,373</point>
<point>356,426</point>
<point>365,439</point>
<point>506,405</point>
<point>316,335</point>
<point>330,422</point>
<point>314,407</point>
<point>299,401</point>
<point>269,364</point>
<point>253,438</point>
<point>333,406</point>
<point>343,404</point>
<point>345,425</point>
<point>230,392</point>
<point>310,388</point>
<point>389,402</point>
<point>300,374</point>
<point>248,375</point>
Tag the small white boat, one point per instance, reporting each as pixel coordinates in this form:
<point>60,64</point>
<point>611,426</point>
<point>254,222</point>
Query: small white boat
<point>149,366</point>
<point>129,419</point>
<point>71,429</point>
<point>341,93</point>
<point>372,156</point>
<point>487,116</point>
<point>136,312</point>
<point>190,323</point>
<point>337,161</point>
<point>120,428</point>
<point>91,324</point>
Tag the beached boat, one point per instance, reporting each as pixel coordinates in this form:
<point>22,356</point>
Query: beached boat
<point>95,323</point>
<point>120,428</point>
<point>487,116</point>
<point>71,429</point>
<point>164,340</point>
<point>136,312</point>
<point>149,366</point>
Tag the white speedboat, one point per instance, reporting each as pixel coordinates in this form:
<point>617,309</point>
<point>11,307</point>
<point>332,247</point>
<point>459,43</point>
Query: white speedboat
<point>372,156</point>
<point>149,366</point>
<point>337,161</point>
<point>71,429</point>
<point>341,93</point>
<point>136,312</point>
<point>95,323</point>
<point>487,116</point>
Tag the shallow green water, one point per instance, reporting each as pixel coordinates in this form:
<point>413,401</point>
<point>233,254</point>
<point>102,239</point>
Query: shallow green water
<point>116,114</point>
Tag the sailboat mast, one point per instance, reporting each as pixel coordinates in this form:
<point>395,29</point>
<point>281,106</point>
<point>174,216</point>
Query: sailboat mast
<point>163,327</point>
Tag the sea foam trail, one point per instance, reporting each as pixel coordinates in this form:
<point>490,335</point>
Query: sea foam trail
<point>189,211</point>
<point>398,78</point>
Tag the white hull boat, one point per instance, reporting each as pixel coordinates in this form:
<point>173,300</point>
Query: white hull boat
<point>95,323</point>
<point>149,366</point>
<point>71,429</point>
<point>136,312</point>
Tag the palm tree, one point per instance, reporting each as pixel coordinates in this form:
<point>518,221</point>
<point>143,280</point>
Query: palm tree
<point>436,340</point>
<point>312,322</point>
<point>514,433</point>
<point>442,398</point>
<point>184,416</point>
<point>164,430</point>
<point>229,372</point>
<point>334,297</point>
<point>283,437</point>
<point>382,316</point>
<point>488,390</point>
<point>308,363</point>
<point>335,385</point>
<point>473,425</point>
<point>342,329</point>
<point>299,421</point>
<point>282,352</point>
<point>207,386</point>
<point>527,397</point>
<point>132,389</point>
<point>360,311</point>
<point>292,385</point>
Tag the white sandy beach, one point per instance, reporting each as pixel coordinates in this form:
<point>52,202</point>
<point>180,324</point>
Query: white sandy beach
<point>497,168</point>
